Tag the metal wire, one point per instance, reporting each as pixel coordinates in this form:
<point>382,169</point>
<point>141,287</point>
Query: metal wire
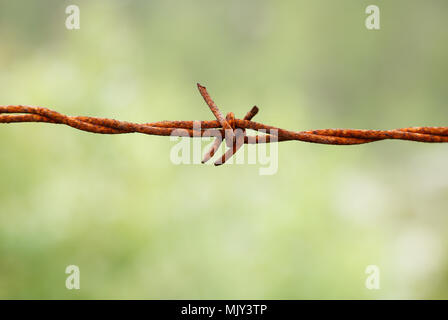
<point>228,129</point>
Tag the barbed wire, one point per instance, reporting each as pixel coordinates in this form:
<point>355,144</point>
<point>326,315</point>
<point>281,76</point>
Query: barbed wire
<point>229,129</point>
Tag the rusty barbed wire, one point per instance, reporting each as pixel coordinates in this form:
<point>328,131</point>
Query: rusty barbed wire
<point>228,129</point>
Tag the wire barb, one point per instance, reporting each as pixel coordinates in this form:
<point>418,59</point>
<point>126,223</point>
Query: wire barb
<point>230,129</point>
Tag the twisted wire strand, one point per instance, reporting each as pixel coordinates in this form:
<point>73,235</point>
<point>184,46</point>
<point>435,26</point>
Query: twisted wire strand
<point>229,129</point>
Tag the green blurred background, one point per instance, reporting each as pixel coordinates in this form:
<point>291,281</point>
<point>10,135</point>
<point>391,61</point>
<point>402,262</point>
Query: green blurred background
<point>139,226</point>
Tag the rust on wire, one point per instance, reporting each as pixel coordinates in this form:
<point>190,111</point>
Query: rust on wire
<point>230,129</point>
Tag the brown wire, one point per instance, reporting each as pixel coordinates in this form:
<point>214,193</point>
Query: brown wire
<point>230,129</point>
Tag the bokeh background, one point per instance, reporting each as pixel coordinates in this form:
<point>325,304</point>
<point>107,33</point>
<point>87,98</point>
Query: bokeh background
<point>139,226</point>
